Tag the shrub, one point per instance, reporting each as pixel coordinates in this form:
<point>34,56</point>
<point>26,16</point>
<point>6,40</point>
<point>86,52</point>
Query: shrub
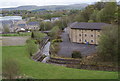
<point>38,35</point>
<point>31,46</point>
<point>10,68</point>
<point>57,40</point>
<point>76,54</point>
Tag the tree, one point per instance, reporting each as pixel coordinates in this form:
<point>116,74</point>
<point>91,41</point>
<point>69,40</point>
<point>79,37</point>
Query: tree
<point>32,35</point>
<point>80,18</point>
<point>76,54</point>
<point>39,36</point>
<point>84,15</point>
<point>108,44</point>
<point>6,29</point>
<point>45,26</point>
<point>93,16</point>
<point>10,68</point>
<point>31,46</point>
<point>107,13</point>
<point>99,5</point>
<point>54,32</point>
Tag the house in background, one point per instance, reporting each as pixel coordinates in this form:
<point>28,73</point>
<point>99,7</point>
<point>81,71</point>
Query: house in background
<point>55,19</point>
<point>9,24</point>
<point>46,20</point>
<point>20,26</point>
<point>83,32</point>
<point>33,26</point>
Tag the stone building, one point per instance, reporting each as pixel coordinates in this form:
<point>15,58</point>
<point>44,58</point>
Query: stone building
<point>83,32</point>
<point>33,25</point>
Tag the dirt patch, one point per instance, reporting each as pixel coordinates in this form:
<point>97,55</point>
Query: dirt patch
<point>14,41</point>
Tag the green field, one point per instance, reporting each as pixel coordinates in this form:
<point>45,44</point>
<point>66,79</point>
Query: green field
<point>48,71</point>
<point>16,34</point>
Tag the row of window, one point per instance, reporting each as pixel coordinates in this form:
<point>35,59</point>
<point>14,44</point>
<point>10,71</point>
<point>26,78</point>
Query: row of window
<point>91,35</point>
<point>86,40</point>
<point>96,30</point>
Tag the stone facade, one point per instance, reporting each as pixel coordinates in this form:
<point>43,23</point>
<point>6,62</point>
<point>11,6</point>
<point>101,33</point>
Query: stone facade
<point>83,34</point>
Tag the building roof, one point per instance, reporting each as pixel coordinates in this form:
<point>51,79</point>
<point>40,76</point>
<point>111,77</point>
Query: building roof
<point>55,18</point>
<point>86,25</point>
<point>33,23</point>
<point>21,25</point>
<point>7,22</point>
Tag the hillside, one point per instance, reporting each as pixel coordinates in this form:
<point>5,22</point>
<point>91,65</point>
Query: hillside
<point>39,70</point>
<point>51,7</point>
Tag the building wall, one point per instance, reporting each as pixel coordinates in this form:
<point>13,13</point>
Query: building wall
<point>83,36</point>
<point>33,27</point>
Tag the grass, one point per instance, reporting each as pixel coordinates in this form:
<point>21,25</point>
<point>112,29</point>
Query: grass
<point>48,71</point>
<point>16,34</point>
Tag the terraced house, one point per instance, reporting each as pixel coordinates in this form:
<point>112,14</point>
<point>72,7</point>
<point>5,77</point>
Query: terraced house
<point>83,32</point>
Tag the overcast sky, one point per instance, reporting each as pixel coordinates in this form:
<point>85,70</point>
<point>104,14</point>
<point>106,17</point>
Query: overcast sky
<point>15,3</point>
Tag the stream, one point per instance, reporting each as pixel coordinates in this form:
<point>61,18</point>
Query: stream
<point>46,50</point>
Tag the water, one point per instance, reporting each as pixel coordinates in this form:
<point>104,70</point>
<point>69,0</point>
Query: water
<point>46,49</point>
<point>46,52</point>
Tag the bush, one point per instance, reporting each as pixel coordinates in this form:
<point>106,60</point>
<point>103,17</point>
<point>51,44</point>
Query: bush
<point>31,46</point>
<point>10,68</point>
<point>76,54</point>
<point>57,40</point>
<point>38,35</point>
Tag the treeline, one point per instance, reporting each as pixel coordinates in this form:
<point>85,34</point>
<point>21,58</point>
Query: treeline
<point>107,12</point>
<point>99,12</point>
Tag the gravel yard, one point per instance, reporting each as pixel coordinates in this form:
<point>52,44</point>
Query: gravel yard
<point>67,47</point>
<point>14,41</point>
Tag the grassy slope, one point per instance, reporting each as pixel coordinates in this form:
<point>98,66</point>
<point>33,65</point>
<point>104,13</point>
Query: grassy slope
<point>48,71</point>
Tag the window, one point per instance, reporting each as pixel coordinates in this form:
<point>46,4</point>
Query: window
<point>85,35</point>
<point>91,40</point>
<point>80,40</point>
<point>98,30</point>
<point>91,35</point>
<point>79,34</point>
<point>98,35</point>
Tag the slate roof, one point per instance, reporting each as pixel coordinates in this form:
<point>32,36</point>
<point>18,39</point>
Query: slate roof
<point>22,25</point>
<point>7,22</point>
<point>85,25</point>
<point>33,23</point>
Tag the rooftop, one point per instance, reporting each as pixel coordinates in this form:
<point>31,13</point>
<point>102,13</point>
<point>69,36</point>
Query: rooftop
<point>33,23</point>
<point>21,25</point>
<point>86,25</point>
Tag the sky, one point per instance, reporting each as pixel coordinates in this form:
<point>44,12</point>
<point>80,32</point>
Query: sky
<point>16,3</point>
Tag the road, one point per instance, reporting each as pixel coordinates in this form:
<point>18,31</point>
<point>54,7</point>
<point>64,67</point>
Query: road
<point>67,47</point>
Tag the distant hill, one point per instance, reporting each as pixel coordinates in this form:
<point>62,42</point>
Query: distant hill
<point>118,3</point>
<point>51,7</point>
